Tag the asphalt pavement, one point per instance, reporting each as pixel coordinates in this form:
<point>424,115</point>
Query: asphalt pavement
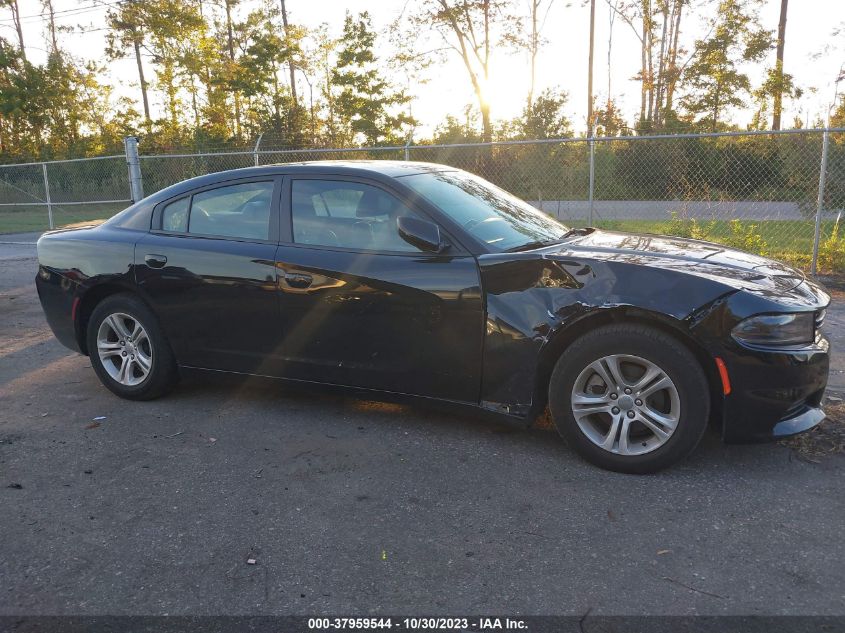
<point>349,506</point>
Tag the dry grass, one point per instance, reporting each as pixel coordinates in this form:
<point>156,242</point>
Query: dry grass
<point>828,438</point>
<point>544,421</point>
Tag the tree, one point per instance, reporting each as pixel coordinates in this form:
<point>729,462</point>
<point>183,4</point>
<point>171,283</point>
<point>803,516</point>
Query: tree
<point>536,41</point>
<point>294,36</point>
<point>544,118</point>
<point>657,26</point>
<point>451,130</point>
<point>265,53</point>
<point>468,28</point>
<point>16,20</point>
<point>47,5</point>
<point>613,5</point>
<point>609,120</point>
<point>231,67</point>
<point>778,71</point>
<point>126,30</point>
<point>54,109</point>
<point>290,58</point>
<point>365,102</point>
<point>837,117</point>
<point>531,40</point>
<point>713,79</point>
<point>776,86</point>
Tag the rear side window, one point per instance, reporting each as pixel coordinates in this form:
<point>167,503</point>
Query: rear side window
<point>234,211</point>
<point>174,217</point>
<point>136,217</point>
<point>239,211</point>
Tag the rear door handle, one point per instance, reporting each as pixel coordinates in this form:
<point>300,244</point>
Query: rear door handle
<point>298,280</point>
<point>155,261</point>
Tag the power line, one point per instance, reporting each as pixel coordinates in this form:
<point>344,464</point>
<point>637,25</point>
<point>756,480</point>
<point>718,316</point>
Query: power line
<point>66,12</point>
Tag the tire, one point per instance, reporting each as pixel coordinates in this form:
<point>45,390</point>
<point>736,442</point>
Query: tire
<point>661,422</point>
<point>140,368</point>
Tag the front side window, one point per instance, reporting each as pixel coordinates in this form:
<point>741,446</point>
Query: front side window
<point>491,215</point>
<point>347,214</point>
<point>237,211</point>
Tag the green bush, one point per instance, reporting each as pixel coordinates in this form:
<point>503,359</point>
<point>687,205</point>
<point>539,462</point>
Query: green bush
<point>832,251</point>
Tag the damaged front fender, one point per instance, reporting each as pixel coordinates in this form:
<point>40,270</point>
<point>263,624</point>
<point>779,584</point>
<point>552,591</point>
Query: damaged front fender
<point>536,303</point>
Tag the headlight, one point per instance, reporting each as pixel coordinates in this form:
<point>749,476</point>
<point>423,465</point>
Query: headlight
<point>777,329</point>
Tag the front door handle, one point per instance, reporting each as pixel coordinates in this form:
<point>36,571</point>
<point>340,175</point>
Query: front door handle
<point>155,261</point>
<point>298,280</point>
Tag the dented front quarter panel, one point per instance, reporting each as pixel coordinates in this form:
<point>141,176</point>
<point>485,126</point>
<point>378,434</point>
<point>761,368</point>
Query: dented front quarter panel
<point>531,298</point>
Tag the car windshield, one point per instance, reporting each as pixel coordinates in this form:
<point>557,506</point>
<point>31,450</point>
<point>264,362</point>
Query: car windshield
<point>491,215</point>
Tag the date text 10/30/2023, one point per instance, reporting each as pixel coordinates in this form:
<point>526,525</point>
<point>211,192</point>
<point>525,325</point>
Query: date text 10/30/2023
<point>422,623</point>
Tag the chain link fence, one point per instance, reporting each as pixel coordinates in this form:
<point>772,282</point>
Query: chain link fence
<point>38,196</point>
<point>764,192</point>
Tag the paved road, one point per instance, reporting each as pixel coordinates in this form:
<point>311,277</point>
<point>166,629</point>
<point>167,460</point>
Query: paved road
<point>350,506</point>
<point>745,210</point>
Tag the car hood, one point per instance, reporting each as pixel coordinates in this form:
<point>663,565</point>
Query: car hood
<point>729,266</point>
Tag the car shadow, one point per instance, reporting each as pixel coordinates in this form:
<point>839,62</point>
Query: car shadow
<point>383,410</point>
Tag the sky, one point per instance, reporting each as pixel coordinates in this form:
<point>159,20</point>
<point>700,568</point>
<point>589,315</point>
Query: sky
<point>813,55</point>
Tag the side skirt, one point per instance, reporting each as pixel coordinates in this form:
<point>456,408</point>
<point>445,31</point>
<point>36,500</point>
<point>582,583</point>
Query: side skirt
<point>447,406</point>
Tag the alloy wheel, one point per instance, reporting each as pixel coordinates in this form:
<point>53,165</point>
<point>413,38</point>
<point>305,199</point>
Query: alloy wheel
<point>124,348</point>
<point>625,404</point>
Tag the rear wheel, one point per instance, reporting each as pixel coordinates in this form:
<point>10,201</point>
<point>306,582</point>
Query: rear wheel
<point>128,350</point>
<point>629,398</point>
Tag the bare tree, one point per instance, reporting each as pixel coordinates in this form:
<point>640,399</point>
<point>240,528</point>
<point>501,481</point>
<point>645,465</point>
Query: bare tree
<point>47,5</point>
<point>778,96</point>
<point>469,27</point>
<point>660,67</point>
<point>16,19</point>
<point>290,61</point>
<point>535,40</point>
<point>230,43</point>
<point>126,29</point>
<point>611,19</point>
<point>530,39</point>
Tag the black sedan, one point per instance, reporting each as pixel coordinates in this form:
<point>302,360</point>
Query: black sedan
<point>420,280</point>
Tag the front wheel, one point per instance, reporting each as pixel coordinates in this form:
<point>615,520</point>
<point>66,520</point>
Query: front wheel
<point>128,350</point>
<point>629,398</point>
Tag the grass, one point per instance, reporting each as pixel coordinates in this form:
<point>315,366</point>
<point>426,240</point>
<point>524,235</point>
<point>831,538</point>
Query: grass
<point>30,219</point>
<point>790,241</point>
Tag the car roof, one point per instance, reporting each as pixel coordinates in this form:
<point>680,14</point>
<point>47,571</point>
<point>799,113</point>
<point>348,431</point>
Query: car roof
<point>364,167</point>
<point>374,169</point>
<point>377,169</point>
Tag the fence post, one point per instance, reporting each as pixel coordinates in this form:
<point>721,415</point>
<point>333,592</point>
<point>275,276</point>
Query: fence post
<point>136,183</point>
<point>592,173</point>
<point>820,201</point>
<point>408,147</point>
<point>47,194</point>
<point>257,145</point>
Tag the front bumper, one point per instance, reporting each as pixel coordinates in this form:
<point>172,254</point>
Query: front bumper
<point>775,393</point>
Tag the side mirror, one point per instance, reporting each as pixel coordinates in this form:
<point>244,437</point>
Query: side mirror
<point>420,233</point>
